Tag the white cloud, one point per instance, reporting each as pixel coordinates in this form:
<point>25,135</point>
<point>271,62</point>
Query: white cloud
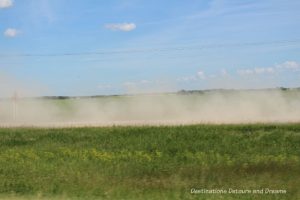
<point>135,84</point>
<point>264,70</point>
<point>104,86</point>
<point>291,65</point>
<point>224,72</point>
<point>187,78</point>
<point>245,71</point>
<point>11,32</point>
<point>121,27</point>
<point>6,3</point>
<point>129,84</point>
<point>288,65</point>
<point>145,81</point>
<point>257,70</point>
<point>201,75</point>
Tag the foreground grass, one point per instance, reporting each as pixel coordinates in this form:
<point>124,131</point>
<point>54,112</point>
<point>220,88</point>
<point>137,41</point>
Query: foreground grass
<point>149,162</point>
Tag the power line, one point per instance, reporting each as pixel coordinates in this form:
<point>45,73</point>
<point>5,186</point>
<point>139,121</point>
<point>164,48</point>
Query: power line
<point>162,49</point>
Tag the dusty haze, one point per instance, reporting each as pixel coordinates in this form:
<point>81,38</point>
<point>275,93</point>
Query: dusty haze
<point>216,107</point>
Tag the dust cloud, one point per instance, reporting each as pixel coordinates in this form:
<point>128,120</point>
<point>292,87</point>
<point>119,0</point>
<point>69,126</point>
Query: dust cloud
<point>210,107</point>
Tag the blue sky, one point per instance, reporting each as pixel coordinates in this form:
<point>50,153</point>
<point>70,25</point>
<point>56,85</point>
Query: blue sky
<point>72,47</point>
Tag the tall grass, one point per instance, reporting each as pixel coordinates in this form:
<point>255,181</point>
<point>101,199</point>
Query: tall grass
<point>149,162</point>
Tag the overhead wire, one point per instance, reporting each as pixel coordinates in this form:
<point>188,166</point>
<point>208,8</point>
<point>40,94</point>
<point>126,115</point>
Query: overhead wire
<point>149,50</point>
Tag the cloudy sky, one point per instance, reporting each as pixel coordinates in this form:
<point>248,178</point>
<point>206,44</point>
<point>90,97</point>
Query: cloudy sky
<point>75,47</point>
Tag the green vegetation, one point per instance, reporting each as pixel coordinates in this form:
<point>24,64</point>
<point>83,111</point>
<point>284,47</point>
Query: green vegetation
<point>149,162</point>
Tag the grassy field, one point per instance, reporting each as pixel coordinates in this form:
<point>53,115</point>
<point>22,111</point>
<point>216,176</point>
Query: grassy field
<point>149,162</point>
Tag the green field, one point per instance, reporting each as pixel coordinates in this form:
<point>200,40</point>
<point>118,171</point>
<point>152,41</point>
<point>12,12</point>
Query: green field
<point>149,162</point>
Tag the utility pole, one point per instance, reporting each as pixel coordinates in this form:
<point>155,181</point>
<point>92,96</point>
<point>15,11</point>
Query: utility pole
<point>15,105</point>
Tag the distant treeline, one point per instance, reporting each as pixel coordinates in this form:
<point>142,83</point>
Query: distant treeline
<point>181,92</point>
<point>235,90</point>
